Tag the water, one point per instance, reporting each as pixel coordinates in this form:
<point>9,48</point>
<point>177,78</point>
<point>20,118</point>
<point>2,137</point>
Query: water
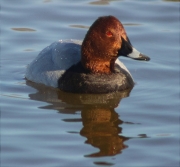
<point>42,126</point>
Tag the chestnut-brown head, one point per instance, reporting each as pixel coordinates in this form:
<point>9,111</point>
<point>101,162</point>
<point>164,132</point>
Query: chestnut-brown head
<point>105,40</point>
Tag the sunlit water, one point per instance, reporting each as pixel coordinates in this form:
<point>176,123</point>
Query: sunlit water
<point>41,126</point>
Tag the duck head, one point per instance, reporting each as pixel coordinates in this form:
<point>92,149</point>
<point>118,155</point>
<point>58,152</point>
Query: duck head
<point>104,42</point>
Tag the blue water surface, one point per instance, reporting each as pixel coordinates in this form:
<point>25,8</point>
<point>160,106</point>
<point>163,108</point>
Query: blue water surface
<point>42,126</point>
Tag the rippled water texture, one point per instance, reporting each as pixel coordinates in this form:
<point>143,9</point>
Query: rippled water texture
<point>42,126</point>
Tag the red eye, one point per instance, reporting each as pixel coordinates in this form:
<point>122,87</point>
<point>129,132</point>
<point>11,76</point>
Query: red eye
<point>109,34</point>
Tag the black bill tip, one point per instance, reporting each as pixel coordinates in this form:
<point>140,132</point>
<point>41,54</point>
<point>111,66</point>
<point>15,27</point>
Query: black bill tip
<point>144,57</point>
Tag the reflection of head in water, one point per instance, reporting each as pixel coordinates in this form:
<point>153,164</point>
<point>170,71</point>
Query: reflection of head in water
<point>101,128</point>
<point>100,121</point>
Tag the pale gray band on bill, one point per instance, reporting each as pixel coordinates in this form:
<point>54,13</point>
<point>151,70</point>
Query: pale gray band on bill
<point>135,54</point>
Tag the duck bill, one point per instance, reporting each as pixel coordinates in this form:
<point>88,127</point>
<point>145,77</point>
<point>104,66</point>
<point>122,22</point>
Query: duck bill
<point>128,50</point>
<point>135,54</point>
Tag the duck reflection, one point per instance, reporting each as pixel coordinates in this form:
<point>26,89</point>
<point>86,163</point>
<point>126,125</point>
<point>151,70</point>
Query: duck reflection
<point>101,128</point>
<point>101,124</point>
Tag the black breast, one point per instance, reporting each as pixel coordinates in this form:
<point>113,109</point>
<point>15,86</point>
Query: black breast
<point>77,80</point>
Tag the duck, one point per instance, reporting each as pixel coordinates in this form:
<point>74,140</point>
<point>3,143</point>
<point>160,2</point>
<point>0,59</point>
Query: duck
<point>89,66</point>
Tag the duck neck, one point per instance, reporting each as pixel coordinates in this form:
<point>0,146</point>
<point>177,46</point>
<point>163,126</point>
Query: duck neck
<point>95,58</point>
<point>98,66</point>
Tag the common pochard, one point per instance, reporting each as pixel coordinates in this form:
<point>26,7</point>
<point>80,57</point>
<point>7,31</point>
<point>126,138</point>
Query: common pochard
<point>91,66</point>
